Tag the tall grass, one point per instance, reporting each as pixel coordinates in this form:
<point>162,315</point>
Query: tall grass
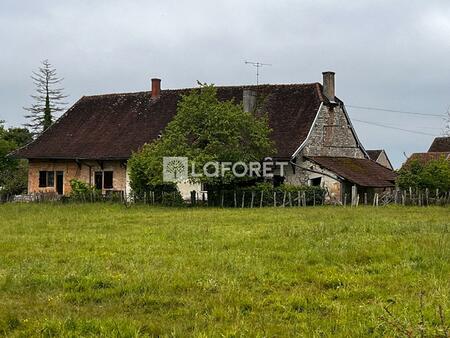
<point>101,269</point>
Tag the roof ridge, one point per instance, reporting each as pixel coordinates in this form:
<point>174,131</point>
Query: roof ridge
<point>230,86</point>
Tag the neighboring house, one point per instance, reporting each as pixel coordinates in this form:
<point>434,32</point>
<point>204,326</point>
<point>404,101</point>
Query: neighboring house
<point>380,157</point>
<point>424,158</point>
<point>94,139</point>
<point>440,144</point>
<point>440,148</point>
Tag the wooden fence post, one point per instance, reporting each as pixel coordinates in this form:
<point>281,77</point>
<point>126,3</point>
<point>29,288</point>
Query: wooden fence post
<point>354,192</point>
<point>274,199</point>
<point>235,199</point>
<point>298,198</point>
<point>243,199</point>
<point>261,200</point>
<point>284,199</point>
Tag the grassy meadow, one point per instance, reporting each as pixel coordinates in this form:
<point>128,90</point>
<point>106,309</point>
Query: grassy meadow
<point>107,270</point>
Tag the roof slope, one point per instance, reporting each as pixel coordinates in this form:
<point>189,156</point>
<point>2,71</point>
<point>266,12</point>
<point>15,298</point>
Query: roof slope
<point>364,172</point>
<point>113,126</point>
<point>440,144</point>
<point>374,154</point>
<point>424,158</point>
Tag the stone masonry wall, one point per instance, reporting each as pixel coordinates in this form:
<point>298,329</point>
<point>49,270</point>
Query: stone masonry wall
<point>72,170</point>
<point>332,135</point>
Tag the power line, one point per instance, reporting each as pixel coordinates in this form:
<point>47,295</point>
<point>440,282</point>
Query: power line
<point>392,127</point>
<point>397,111</point>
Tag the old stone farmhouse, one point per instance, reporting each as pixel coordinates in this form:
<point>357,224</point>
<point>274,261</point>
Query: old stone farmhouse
<point>94,139</point>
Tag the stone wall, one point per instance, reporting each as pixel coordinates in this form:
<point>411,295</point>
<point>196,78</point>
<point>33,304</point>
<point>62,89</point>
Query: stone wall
<point>332,135</point>
<point>308,171</point>
<point>83,171</point>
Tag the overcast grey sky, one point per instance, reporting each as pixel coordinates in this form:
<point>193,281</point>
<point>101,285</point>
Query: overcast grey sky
<point>392,54</point>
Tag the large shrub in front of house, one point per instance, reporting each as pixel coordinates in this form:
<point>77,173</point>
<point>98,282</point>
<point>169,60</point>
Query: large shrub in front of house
<point>204,129</point>
<point>432,175</point>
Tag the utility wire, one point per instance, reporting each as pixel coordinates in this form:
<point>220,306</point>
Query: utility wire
<point>396,128</point>
<point>397,111</point>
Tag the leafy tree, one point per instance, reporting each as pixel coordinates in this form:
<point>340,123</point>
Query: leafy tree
<point>48,100</point>
<point>433,175</point>
<point>13,172</point>
<point>204,129</point>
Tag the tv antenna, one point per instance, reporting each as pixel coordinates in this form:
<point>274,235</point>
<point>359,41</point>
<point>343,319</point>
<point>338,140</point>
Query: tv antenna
<point>257,65</point>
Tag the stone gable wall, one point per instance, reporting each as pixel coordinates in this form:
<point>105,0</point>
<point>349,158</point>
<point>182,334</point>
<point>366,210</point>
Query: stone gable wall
<point>332,135</point>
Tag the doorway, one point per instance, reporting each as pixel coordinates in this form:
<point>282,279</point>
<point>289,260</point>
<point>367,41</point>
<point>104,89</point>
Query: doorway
<point>60,182</point>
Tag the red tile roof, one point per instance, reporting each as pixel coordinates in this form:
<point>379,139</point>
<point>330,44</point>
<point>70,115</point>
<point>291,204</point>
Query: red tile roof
<point>363,172</point>
<point>440,144</point>
<point>113,126</point>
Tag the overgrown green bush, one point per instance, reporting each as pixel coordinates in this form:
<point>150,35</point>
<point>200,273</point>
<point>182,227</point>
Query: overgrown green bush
<point>82,191</point>
<point>432,175</point>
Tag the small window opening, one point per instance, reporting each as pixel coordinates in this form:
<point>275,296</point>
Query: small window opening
<point>316,181</point>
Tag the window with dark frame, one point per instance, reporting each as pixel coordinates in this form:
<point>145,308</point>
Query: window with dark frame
<point>103,180</point>
<point>46,179</point>
<point>50,178</point>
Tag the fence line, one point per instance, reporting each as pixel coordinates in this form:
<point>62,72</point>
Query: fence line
<point>256,199</point>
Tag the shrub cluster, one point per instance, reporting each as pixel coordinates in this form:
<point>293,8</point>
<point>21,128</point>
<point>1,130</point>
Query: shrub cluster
<point>432,175</point>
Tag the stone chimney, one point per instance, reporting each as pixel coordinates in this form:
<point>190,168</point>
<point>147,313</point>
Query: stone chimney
<point>156,88</point>
<point>249,100</point>
<point>328,86</point>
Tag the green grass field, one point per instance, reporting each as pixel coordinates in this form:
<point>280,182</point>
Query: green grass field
<point>100,269</point>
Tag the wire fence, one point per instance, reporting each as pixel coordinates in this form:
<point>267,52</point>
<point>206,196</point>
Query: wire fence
<point>247,198</point>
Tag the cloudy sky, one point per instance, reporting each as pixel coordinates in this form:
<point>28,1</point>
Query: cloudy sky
<point>392,54</point>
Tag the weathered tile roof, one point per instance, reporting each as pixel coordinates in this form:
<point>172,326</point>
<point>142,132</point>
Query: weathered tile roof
<point>424,158</point>
<point>363,172</point>
<point>440,144</point>
<point>113,126</point>
<point>373,154</point>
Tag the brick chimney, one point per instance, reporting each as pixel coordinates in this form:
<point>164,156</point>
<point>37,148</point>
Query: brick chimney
<point>328,86</point>
<point>156,88</point>
<point>249,100</point>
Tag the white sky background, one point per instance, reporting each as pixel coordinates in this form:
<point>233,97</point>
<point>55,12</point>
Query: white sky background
<point>390,54</point>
